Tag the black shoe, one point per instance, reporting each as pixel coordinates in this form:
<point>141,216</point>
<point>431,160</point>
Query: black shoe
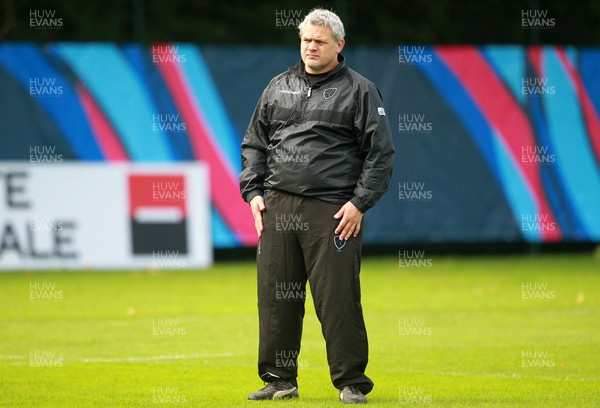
<point>278,389</point>
<point>350,394</point>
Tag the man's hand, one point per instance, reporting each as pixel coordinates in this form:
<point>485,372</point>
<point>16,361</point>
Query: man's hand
<point>351,218</point>
<point>257,204</point>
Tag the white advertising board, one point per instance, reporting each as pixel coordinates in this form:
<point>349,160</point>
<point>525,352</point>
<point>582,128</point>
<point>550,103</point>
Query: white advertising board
<point>107,216</point>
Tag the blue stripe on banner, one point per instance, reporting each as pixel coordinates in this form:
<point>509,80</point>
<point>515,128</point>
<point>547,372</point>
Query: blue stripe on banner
<point>571,53</point>
<point>571,226</point>
<point>509,64</point>
<point>122,96</point>
<point>575,160</point>
<point>29,66</point>
<point>496,155</point>
<point>589,70</point>
<point>517,192</point>
<point>208,99</point>
<point>169,118</point>
<point>222,237</point>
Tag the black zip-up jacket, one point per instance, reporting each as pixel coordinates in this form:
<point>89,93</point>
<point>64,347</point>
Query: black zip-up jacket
<point>323,136</point>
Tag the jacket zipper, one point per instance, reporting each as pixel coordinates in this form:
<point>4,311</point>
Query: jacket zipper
<point>305,103</point>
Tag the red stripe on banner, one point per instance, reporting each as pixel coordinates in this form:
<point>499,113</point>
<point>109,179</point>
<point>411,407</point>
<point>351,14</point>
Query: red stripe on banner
<point>224,186</point>
<point>589,113</point>
<point>534,54</point>
<point>503,113</point>
<point>107,139</point>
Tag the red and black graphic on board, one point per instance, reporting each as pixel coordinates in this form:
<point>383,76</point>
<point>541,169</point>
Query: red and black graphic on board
<point>157,211</point>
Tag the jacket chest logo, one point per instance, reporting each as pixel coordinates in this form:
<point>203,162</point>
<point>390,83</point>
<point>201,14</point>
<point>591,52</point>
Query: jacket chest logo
<point>329,93</point>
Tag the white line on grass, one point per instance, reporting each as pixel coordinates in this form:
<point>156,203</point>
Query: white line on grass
<point>153,358</point>
<point>502,375</point>
<point>22,360</point>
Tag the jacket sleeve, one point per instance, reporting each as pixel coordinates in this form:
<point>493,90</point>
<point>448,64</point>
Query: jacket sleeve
<point>376,148</point>
<point>254,151</point>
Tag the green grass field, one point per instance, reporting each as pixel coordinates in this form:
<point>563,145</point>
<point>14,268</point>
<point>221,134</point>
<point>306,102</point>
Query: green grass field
<point>463,332</point>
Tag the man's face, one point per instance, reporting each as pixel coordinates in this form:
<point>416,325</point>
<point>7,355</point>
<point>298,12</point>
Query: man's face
<point>319,49</point>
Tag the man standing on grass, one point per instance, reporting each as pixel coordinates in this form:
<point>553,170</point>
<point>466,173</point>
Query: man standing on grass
<point>320,146</point>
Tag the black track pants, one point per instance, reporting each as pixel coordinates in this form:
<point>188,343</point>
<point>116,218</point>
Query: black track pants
<point>299,243</point>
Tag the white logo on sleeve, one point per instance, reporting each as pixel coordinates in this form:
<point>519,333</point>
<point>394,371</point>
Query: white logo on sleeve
<point>381,111</point>
<point>287,91</point>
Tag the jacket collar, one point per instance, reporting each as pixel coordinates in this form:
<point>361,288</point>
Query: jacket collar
<point>299,69</point>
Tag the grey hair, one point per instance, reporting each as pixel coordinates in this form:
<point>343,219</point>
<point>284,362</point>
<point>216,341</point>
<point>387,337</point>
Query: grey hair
<point>324,18</point>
